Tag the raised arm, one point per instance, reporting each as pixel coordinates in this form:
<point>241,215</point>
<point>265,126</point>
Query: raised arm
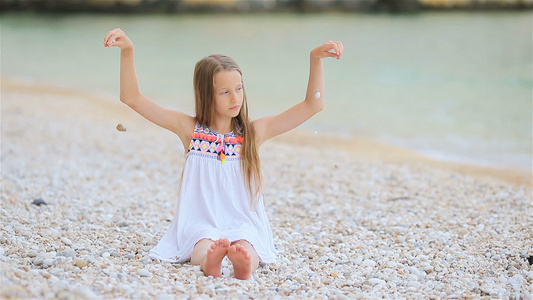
<point>269,127</point>
<point>175,121</point>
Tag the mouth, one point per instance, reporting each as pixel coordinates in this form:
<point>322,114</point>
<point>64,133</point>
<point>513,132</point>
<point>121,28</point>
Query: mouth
<point>235,107</point>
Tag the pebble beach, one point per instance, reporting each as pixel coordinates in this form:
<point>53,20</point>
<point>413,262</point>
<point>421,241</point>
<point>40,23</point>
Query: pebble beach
<point>348,224</point>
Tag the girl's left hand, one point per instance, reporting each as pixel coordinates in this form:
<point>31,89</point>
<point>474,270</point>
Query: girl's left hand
<point>328,49</point>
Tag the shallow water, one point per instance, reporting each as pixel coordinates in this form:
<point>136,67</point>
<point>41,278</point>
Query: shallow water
<point>456,86</point>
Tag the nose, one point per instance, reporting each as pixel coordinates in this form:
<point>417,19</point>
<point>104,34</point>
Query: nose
<point>234,97</point>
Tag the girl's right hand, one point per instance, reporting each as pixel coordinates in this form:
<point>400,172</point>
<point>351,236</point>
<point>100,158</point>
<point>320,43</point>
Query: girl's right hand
<point>117,38</point>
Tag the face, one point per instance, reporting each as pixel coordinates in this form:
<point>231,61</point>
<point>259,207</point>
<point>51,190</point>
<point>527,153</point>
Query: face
<point>229,94</point>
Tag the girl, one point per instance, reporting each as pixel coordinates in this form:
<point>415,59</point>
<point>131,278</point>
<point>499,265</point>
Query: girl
<point>220,210</point>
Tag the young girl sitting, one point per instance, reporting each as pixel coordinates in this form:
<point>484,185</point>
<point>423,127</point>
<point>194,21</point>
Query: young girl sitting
<point>220,209</point>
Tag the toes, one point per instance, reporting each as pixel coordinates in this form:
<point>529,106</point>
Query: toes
<point>225,242</point>
<point>243,250</point>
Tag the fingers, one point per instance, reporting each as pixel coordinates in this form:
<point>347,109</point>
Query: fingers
<point>341,49</point>
<point>112,37</point>
<point>329,49</point>
<point>337,47</point>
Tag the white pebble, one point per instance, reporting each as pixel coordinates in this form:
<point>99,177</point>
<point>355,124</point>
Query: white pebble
<point>85,292</point>
<point>323,258</point>
<point>48,262</point>
<point>375,281</point>
<point>196,268</point>
<point>369,263</point>
<point>66,241</point>
<point>317,94</point>
<point>414,284</point>
<point>144,273</point>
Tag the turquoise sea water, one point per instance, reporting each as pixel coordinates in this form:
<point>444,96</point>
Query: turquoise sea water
<point>456,86</point>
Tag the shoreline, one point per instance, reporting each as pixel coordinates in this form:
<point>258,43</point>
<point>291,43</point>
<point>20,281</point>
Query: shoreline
<point>363,148</point>
<point>374,150</point>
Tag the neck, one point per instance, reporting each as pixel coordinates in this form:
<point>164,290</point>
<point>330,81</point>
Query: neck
<point>222,126</point>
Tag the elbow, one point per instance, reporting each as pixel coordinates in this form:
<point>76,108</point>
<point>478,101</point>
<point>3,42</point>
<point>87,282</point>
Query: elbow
<point>127,99</point>
<point>314,106</point>
<point>319,108</point>
<point>123,99</point>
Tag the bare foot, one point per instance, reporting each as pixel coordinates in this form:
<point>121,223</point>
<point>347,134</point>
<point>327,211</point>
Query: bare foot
<point>213,258</point>
<point>241,260</point>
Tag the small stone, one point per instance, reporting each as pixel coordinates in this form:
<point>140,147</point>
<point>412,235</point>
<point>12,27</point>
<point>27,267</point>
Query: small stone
<point>334,274</point>
<point>48,262</point>
<point>224,263</point>
<point>121,127</point>
<point>369,263</point>
<point>63,295</point>
<point>66,241</point>
<point>375,281</point>
<point>39,202</point>
<point>164,297</point>
<point>56,271</point>
<point>342,262</point>
<point>38,261</point>
<point>80,263</point>
<point>225,272</point>
<point>144,273</point>
<point>414,284</point>
<point>66,254</point>
<point>105,254</point>
<point>84,292</point>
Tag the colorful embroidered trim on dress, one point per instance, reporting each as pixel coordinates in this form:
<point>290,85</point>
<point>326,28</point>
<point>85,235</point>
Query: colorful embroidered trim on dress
<point>207,141</point>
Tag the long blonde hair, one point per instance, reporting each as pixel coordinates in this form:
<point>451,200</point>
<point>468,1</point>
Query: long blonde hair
<point>204,94</point>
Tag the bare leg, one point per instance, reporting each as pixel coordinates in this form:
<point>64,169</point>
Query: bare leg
<point>209,255</point>
<point>244,259</point>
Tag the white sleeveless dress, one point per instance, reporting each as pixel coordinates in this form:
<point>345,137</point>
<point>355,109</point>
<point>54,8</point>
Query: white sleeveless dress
<point>214,201</point>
